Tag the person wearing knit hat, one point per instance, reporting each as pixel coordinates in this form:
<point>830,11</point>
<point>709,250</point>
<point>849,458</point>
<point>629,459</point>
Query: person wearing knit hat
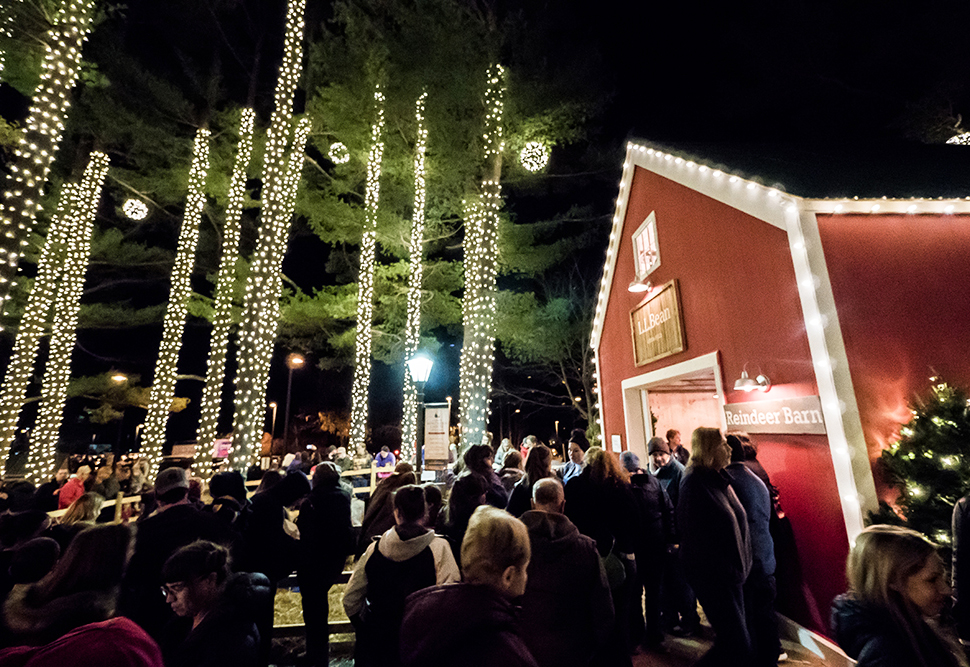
<point>657,445</point>
<point>630,462</point>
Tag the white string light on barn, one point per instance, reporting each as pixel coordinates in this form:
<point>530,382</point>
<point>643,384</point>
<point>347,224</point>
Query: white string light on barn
<point>365,281</point>
<point>42,135</point>
<point>33,323</point>
<point>481,263</point>
<point>135,209</point>
<point>257,330</point>
<point>222,306</point>
<point>412,335</point>
<point>67,305</point>
<point>166,368</point>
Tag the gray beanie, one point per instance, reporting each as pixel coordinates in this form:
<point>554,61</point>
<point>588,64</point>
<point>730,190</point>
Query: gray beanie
<point>657,445</point>
<point>630,461</point>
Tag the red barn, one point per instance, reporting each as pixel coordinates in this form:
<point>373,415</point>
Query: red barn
<point>834,297</point>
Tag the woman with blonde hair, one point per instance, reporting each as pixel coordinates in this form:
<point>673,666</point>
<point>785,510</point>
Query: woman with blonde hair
<point>897,589</point>
<point>714,546</point>
<point>474,623</point>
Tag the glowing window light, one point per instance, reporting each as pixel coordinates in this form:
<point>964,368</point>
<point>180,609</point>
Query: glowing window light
<point>412,335</point>
<point>166,368</point>
<point>365,294</point>
<point>42,135</point>
<point>535,156</point>
<point>960,139</point>
<point>339,154</point>
<point>35,318</point>
<point>135,209</point>
<point>481,263</point>
<point>67,304</point>
<point>222,307</point>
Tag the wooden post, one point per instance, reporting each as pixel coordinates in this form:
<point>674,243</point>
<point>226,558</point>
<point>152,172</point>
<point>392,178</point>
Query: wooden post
<point>373,475</point>
<point>118,507</point>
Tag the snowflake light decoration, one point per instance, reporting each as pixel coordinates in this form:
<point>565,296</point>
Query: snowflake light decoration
<point>339,154</point>
<point>135,209</point>
<point>535,156</point>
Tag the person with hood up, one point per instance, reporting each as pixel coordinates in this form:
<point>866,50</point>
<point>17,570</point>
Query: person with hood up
<point>474,623</point>
<point>407,558</point>
<point>567,610</point>
<point>891,616</point>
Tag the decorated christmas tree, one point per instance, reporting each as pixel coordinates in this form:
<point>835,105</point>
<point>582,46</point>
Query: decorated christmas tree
<point>930,463</point>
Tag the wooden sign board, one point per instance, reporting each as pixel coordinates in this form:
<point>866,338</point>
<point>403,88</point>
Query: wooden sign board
<point>658,330</point>
<point>801,416</point>
<point>436,418</point>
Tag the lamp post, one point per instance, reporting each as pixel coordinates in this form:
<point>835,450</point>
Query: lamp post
<point>272,428</point>
<point>293,361</point>
<point>419,366</point>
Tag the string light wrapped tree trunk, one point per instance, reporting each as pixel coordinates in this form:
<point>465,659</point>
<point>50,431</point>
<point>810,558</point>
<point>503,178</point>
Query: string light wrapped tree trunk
<point>41,139</point>
<point>257,331</point>
<point>166,368</point>
<point>481,264</point>
<point>67,305</point>
<point>365,292</point>
<point>222,307</point>
<point>34,322</point>
<point>412,336</point>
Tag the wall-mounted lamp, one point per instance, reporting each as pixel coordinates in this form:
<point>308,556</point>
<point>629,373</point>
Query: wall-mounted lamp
<point>745,383</point>
<point>640,286</point>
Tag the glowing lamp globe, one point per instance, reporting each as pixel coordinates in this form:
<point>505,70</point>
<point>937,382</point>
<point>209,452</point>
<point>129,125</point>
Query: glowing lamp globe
<point>420,367</point>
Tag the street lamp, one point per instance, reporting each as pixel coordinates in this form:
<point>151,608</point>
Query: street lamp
<point>272,429</point>
<point>293,361</point>
<point>419,366</point>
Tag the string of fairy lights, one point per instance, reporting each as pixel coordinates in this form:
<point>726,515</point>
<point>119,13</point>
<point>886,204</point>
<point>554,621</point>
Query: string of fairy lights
<point>365,293</point>
<point>33,323</point>
<point>222,306</point>
<point>481,264</point>
<point>166,368</point>
<point>412,335</point>
<point>67,305</point>
<point>261,306</point>
<point>42,135</point>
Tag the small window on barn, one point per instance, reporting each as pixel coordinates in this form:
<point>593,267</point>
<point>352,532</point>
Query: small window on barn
<point>646,251</point>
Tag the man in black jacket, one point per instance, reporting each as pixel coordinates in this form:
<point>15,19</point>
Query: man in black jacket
<point>567,610</point>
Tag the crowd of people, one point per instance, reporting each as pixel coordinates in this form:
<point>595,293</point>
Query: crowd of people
<point>581,564</point>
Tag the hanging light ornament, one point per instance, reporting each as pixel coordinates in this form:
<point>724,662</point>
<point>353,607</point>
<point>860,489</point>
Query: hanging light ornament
<point>339,154</point>
<point>42,135</point>
<point>412,335</point>
<point>365,294</point>
<point>481,263</point>
<point>960,139</point>
<point>535,156</point>
<point>135,209</point>
<point>257,331</point>
<point>222,307</point>
<point>67,305</point>
<point>166,369</point>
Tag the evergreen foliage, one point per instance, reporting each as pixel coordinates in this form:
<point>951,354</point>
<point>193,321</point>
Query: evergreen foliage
<point>930,463</point>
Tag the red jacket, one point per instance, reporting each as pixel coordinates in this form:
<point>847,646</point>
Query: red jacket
<point>71,491</point>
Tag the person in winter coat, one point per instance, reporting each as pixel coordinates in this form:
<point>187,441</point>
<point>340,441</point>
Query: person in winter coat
<point>379,516</point>
<point>46,495</point>
<point>326,538</point>
<point>578,446</point>
<point>82,588</point>
<point>677,450</point>
<point>501,453</point>
<point>600,502</point>
<point>407,558</point>
<point>466,496</point>
<point>715,546</point>
<point>215,624</point>
<point>891,615</point>
<point>654,534</point>
<point>759,589</point>
<point>567,609</point>
<point>383,459</point>
<point>512,472</point>
<point>474,623</point>
<point>478,461</point>
<point>537,466</point>
<point>73,489</point>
